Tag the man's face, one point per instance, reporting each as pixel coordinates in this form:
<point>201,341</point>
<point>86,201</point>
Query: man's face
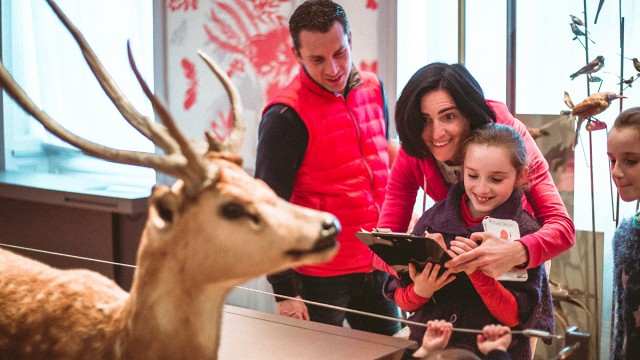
<point>326,57</point>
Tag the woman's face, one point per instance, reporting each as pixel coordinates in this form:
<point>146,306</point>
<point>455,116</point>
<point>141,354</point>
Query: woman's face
<point>445,129</point>
<point>623,148</point>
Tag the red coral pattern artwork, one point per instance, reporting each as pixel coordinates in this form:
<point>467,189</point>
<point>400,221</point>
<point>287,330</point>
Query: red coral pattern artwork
<point>221,126</point>
<point>191,94</point>
<point>372,4</point>
<point>257,35</point>
<point>371,67</point>
<point>186,5</point>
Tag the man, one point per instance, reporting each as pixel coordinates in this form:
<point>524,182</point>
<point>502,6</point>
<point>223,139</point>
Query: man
<point>323,144</point>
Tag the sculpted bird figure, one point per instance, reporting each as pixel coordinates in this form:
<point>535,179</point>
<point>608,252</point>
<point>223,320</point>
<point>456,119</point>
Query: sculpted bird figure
<point>593,78</point>
<point>591,106</point>
<point>577,32</point>
<point>636,64</point>
<point>628,81</point>
<point>592,67</point>
<point>576,20</point>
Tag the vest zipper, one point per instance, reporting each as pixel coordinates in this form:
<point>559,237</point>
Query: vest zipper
<point>364,160</point>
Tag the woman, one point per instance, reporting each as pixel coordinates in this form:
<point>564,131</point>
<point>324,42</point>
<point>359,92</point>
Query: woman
<point>437,110</point>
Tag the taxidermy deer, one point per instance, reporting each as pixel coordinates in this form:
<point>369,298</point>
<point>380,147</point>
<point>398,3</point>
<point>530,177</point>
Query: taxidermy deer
<point>216,227</point>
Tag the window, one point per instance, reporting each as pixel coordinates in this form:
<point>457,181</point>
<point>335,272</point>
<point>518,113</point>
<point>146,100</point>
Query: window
<point>45,60</point>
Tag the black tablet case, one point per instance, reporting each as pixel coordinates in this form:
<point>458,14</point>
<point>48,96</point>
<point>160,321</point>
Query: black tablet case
<point>398,250</point>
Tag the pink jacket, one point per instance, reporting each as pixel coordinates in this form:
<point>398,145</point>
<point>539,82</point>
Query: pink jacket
<point>541,199</point>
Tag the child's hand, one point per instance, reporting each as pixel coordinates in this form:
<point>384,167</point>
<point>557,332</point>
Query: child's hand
<point>435,338</point>
<point>494,337</point>
<point>462,245</point>
<point>437,237</point>
<point>427,282</point>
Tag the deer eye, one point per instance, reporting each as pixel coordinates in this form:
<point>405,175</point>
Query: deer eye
<point>234,210</point>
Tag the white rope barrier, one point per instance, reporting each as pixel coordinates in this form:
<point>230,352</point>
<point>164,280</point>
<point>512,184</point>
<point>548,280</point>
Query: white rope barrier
<point>528,332</point>
<point>66,255</point>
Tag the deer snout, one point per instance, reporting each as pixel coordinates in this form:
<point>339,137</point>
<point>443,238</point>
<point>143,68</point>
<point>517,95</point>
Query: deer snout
<point>330,228</point>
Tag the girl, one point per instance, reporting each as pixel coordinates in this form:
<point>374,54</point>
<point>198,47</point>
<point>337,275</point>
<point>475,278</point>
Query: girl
<point>494,172</point>
<point>623,148</point>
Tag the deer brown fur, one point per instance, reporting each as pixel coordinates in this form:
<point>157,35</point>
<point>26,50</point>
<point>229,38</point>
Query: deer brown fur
<point>216,227</point>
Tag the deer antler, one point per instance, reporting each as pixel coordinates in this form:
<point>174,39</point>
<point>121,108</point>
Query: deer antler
<point>152,131</point>
<point>179,160</point>
<point>234,141</point>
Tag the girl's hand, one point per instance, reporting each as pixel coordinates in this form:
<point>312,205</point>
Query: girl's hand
<point>435,338</point>
<point>460,246</point>
<point>494,337</point>
<point>437,237</point>
<point>428,282</point>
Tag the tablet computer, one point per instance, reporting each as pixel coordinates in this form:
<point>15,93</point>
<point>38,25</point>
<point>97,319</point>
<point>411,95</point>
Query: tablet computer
<point>398,250</point>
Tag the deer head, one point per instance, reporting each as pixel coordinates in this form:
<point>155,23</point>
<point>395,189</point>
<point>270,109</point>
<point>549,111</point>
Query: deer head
<point>214,228</point>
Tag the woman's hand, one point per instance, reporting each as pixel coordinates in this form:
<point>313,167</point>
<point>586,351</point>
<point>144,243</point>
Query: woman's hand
<point>461,246</point>
<point>428,282</point>
<point>494,256</point>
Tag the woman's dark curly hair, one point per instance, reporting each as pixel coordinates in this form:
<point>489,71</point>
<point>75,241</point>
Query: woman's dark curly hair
<point>459,83</point>
<point>316,16</point>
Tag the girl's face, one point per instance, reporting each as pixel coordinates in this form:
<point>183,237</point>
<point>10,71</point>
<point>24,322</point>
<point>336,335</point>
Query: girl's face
<point>489,178</point>
<point>623,148</point>
<point>445,129</point>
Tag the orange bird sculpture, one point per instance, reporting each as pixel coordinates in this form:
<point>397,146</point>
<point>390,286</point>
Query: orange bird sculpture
<point>589,107</point>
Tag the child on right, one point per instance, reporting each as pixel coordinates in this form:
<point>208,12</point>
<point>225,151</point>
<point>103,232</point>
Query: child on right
<point>494,176</point>
<point>623,149</point>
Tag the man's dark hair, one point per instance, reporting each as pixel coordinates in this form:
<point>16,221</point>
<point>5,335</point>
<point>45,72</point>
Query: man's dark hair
<point>316,16</point>
<point>458,82</point>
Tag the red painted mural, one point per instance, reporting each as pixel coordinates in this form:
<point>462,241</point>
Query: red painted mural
<point>186,5</point>
<point>258,37</point>
<point>250,40</point>
<point>191,94</point>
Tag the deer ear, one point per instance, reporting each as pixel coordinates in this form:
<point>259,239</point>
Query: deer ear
<point>165,203</point>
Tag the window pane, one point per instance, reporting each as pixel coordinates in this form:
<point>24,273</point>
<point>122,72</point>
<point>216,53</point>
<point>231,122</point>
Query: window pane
<point>547,54</point>
<point>486,40</point>
<point>427,32</point>
<point>44,59</point>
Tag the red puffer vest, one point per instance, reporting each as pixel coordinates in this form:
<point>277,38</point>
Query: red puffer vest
<point>345,167</point>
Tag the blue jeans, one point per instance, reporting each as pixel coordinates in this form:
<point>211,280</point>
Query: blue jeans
<point>360,291</point>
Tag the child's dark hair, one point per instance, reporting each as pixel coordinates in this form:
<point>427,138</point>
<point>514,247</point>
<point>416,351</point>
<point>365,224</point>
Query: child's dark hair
<point>316,16</point>
<point>494,134</point>
<point>452,354</point>
<point>628,118</point>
